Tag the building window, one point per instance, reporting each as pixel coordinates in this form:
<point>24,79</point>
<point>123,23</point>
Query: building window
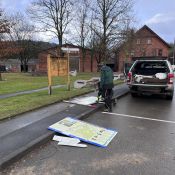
<point>160,52</point>
<point>148,41</point>
<point>138,41</point>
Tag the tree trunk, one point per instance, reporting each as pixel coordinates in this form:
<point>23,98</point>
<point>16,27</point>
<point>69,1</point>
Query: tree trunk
<point>60,52</point>
<point>83,58</point>
<point>92,56</point>
<point>25,68</point>
<point>60,41</point>
<point>83,63</point>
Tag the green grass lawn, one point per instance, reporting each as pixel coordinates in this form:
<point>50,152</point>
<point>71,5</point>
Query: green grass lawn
<point>16,82</point>
<point>12,106</point>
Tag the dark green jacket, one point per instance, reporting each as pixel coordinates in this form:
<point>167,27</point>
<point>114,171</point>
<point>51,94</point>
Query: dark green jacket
<point>106,77</point>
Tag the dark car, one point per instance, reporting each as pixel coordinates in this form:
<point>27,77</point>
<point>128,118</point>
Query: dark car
<point>2,68</point>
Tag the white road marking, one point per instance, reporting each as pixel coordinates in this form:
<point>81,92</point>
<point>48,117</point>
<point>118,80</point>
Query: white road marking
<point>138,117</point>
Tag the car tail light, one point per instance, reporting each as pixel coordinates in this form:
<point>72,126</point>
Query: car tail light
<point>170,78</point>
<point>129,77</point>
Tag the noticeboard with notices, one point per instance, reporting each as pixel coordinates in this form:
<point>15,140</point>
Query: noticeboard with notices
<point>58,66</point>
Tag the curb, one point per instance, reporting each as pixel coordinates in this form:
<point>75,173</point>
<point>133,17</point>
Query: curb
<point>43,106</point>
<point>46,105</point>
<point>13,157</point>
<point>122,95</point>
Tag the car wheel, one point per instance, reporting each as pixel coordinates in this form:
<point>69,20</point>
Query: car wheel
<point>169,96</point>
<point>133,94</point>
<point>114,102</point>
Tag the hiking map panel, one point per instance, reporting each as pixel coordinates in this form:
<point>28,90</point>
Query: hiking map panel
<point>86,132</point>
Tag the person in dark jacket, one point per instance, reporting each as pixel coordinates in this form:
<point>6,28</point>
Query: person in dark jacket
<point>106,86</point>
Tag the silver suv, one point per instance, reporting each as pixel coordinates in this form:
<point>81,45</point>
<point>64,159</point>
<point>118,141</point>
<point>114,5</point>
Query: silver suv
<point>151,77</point>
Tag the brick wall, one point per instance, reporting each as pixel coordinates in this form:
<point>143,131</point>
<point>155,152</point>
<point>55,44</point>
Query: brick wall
<point>41,66</point>
<point>87,62</point>
<point>141,47</point>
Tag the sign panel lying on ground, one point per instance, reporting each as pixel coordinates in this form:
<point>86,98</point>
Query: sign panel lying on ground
<point>68,141</point>
<point>84,100</point>
<point>84,131</point>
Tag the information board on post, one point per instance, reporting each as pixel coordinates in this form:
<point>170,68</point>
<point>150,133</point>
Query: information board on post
<point>59,66</point>
<point>56,66</point>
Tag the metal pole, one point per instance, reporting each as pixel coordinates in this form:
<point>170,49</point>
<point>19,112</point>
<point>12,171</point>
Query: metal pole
<point>68,75</point>
<point>49,75</point>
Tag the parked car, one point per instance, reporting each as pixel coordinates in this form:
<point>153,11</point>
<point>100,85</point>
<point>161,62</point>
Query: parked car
<point>173,66</point>
<point>151,77</point>
<point>2,68</point>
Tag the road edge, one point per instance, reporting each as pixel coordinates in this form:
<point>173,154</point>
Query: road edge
<point>13,157</point>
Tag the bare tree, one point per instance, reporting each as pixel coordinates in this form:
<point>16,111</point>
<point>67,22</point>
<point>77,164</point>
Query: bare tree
<point>96,50</point>
<point>125,45</point>
<point>4,28</point>
<point>128,42</point>
<point>20,36</point>
<point>4,25</point>
<point>1,34</point>
<point>92,42</point>
<point>52,16</point>
<point>95,44</point>
<point>110,16</point>
<point>82,28</point>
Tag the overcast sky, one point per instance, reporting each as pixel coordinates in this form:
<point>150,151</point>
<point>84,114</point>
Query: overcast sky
<point>159,15</point>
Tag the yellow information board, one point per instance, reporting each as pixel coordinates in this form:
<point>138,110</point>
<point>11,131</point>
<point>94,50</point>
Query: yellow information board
<point>59,66</point>
<point>56,66</point>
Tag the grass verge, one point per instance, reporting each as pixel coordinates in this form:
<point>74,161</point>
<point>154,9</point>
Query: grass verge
<point>10,107</point>
<point>17,82</point>
<point>13,106</point>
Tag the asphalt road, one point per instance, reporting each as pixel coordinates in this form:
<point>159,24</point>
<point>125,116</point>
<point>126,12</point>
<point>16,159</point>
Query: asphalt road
<point>144,145</point>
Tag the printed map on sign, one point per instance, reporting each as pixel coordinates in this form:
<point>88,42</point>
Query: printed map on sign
<point>84,131</point>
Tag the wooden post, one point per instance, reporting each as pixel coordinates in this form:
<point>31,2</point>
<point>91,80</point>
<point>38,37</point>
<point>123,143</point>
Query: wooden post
<point>68,70</point>
<point>49,75</point>
<point>79,66</point>
<point>68,50</point>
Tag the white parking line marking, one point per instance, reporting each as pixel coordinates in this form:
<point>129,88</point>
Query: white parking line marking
<point>144,118</point>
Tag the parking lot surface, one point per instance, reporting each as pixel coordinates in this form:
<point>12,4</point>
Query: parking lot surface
<point>144,145</point>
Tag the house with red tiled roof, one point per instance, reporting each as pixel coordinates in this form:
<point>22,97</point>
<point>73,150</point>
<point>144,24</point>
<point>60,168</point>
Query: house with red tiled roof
<point>146,44</point>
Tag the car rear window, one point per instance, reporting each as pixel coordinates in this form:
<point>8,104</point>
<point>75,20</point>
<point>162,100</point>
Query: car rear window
<point>150,68</point>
